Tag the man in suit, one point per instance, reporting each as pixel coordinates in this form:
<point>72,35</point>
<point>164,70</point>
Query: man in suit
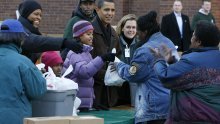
<point>176,27</point>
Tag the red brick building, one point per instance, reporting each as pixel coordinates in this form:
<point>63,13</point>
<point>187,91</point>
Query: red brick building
<point>57,12</point>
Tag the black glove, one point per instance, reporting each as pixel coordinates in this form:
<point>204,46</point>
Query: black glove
<point>73,45</point>
<point>108,57</point>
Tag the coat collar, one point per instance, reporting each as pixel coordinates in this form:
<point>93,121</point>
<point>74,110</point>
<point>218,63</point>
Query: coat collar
<point>124,43</point>
<point>204,49</point>
<point>12,47</point>
<point>155,36</point>
<point>80,14</point>
<point>87,48</point>
<point>29,26</point>
<point>97,28</point>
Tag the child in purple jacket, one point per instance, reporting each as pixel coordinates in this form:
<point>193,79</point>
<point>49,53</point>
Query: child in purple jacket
<point>84,66</point>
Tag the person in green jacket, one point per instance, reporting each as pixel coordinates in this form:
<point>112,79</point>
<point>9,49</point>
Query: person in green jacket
<point>85,11</point>
<point>203,14</point>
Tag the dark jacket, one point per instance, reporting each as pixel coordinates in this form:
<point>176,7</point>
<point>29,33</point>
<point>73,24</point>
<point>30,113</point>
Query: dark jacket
<point>106,96</point>
<point>123,44</point>
<point>68,33</point>
<point>170,29</point>
<point>125,96</point>
<point>35,42</point>
<point>201,16</point>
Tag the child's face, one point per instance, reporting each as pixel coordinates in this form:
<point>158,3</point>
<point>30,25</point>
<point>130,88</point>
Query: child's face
<point>87,37</point>
<point>57,69</point>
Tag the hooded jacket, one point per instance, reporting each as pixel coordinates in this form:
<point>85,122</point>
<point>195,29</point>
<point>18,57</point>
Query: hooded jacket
<point>21,82</point>
<point>85,67</point>
<point>79,15</point>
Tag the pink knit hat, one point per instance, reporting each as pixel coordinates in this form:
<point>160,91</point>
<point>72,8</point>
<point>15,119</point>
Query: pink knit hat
<point>51,58</point>
<point>80,27</point>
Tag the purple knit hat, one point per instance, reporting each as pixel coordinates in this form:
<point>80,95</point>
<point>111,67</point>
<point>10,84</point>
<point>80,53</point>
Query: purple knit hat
<point>80,27</point>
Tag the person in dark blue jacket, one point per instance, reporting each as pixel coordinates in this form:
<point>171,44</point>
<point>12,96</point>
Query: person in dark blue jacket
<point>20,79</point>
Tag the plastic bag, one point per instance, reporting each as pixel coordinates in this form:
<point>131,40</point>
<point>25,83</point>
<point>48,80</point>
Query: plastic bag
<point>77,103</point>
<point>59,83</point>
<point>112,78</point>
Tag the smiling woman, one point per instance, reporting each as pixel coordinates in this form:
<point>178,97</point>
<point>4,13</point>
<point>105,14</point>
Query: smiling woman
<point>126,30</point>
<point>30,17</point>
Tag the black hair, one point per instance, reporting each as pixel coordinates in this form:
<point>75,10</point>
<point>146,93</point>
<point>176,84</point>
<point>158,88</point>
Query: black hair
<point>15,38</point>
<point>208,33</point>
<point>148,23</point>
<point>101,2</point>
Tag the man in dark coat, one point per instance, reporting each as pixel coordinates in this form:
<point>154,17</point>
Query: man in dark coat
<point>105,39</point>
<point>176,27</point>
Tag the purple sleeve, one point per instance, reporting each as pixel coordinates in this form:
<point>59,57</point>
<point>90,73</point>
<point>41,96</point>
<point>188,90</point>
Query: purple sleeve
<point>86,70</point>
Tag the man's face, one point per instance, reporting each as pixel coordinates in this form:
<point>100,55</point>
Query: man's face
<point>206,6</point>
<point>177,7</point>
<point>87,7</point>
<point>106,12</point>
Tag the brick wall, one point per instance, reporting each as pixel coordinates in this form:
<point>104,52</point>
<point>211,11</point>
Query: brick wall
<point>57,12</point>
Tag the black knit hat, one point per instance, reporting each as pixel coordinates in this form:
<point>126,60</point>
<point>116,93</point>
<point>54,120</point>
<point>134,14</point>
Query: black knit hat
<point>27,7</point>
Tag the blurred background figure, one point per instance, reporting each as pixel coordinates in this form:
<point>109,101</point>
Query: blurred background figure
<point>203,14</point>
<point>176,27</point>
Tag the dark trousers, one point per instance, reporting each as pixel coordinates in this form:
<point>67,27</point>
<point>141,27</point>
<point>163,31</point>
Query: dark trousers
<point>105,96</point>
